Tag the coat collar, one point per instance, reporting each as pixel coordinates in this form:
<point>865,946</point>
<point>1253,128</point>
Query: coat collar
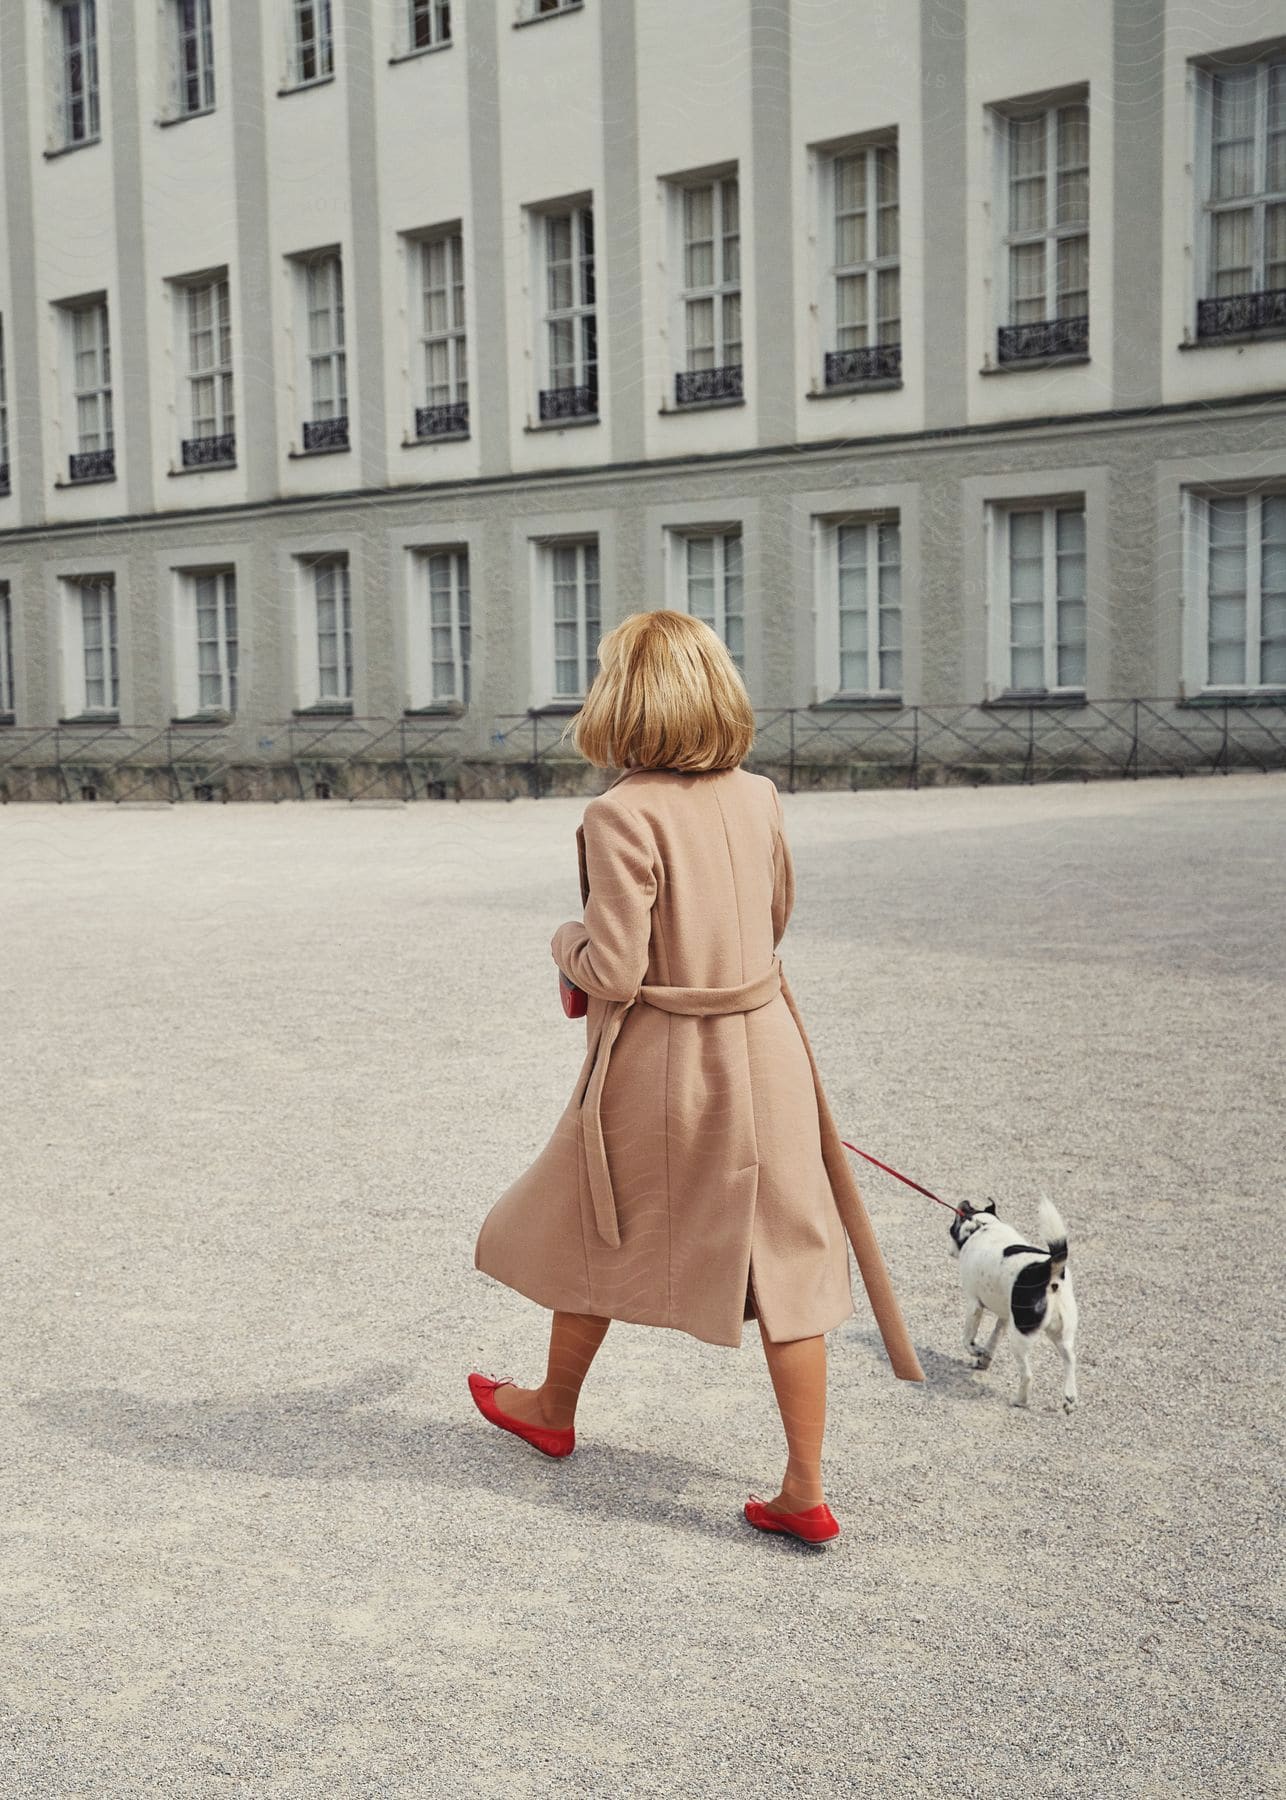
<point>659,771</point>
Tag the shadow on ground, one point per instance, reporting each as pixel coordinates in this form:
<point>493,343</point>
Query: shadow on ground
<point>337,1434</point>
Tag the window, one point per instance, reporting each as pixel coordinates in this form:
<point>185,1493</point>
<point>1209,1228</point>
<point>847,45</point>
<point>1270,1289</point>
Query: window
<point>207,354</point>
<point>1045,248</point>
<point>440,627</point>
<point>313,43</point>
<point>709,298</point>
<point>4,420</point>
<point>193,29</point>
<point>569,325</point>
<point>89,355</point>
<point>321,283</point>
<point>1242,135</point>
<point>571,583</point>
<point>429,24</point>
<point>444,369</point>
<point>6,650</point>
<point>76,46</point>
<point>1040,611</point>
<point>332,620</point>
<point>207,639</point>
<point>541,9</point>
<point>859,612</point>
<point>1237,584</point>
<point>91,624</point>
<point>705,580</point>
<point>862,298</point>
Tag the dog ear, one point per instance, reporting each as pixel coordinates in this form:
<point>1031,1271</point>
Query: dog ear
<point>990,1206</point>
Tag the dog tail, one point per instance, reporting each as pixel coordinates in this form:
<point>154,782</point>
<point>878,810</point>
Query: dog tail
<point>1054,1232</point>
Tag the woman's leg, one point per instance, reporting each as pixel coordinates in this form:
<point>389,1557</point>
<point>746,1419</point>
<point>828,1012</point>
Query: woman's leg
<point>798,1371</point>
<point>574,1339</point>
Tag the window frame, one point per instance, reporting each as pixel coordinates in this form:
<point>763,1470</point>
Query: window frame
<point>532,12</point>
<point>999,597</point>
<point>682,297</point>
<point>1203,78</point>
<point>679,540</point>
<point>545,549</point>
<point>320,430</point>
<point>62,57</point>
<point>831,271</point>
<point>71,316</point>
<point>200,37</point>
<point>449,417</point>
<point>189,674</point>
<point>1002,118</point>
<point>434,11</point>
<point>321,43</point>
<point>422,660</point>
<point>1196,680</point>
<point>75,589</point>
<point>313,567</point>
<point>8,680</point>
<point>6,484</point>
<point>221,372</point>
<point>827,610</point>
<point>583,392</point>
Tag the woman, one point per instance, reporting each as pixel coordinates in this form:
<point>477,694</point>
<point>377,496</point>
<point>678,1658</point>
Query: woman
<point>696,1178</point>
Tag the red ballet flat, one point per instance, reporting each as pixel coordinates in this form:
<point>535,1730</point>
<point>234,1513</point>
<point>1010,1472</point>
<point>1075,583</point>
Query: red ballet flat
<point>816,1526</point>
<point>553,1442</point>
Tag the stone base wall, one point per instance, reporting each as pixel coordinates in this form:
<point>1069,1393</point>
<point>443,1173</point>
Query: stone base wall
<point>947,754</point>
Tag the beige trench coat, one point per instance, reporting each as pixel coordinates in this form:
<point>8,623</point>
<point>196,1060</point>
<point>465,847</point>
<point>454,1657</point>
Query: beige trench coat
<point>696,1177</point>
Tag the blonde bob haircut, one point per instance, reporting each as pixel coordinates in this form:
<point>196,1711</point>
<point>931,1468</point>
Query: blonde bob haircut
<point>667,696</point>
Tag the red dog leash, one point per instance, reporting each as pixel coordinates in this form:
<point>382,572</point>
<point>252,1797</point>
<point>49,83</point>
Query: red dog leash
<point>575,1002</point>
<point>906,1178</point>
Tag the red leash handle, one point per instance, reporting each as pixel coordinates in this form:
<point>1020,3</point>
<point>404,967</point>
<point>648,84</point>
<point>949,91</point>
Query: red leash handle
<point>906,1178</point>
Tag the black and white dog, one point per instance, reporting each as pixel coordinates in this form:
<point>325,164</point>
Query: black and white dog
<point>1027,1288</point>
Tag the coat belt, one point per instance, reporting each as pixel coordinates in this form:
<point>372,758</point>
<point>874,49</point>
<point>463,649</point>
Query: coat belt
<point>701,1002</point>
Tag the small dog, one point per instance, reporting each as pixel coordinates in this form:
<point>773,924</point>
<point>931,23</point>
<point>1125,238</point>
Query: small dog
<point>1027,1288</point>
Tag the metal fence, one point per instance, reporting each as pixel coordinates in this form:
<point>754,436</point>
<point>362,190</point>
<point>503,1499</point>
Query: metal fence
<point>437,757</point>
<point>333,758</point>
<point>1039,741</point>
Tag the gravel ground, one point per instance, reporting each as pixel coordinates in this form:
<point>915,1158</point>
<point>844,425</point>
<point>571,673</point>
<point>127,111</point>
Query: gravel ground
<point>266,1068</point>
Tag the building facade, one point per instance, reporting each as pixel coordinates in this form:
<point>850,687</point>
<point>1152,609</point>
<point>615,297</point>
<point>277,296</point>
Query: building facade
<point>363,363</point>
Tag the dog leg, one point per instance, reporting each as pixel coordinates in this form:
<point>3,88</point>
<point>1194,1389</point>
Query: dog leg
<point>983,1359</point>
<point>1063,1333</point>
<point>972,1321</point>
<point>1022,1350</point>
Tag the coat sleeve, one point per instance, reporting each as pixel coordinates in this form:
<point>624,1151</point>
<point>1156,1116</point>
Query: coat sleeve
<point>607,955</point>
<point>783,885</point>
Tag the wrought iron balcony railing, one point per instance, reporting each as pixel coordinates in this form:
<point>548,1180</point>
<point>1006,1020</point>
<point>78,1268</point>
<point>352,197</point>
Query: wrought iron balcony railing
<point>694,387</point>
<point>570,402</point>
<point>451,420</point>
<point>1229,315</point>
<point>206,452</point>
<point>873,362</point>
<point>1043,337</point>
<point>326,434</point>
<point>91,465</point>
